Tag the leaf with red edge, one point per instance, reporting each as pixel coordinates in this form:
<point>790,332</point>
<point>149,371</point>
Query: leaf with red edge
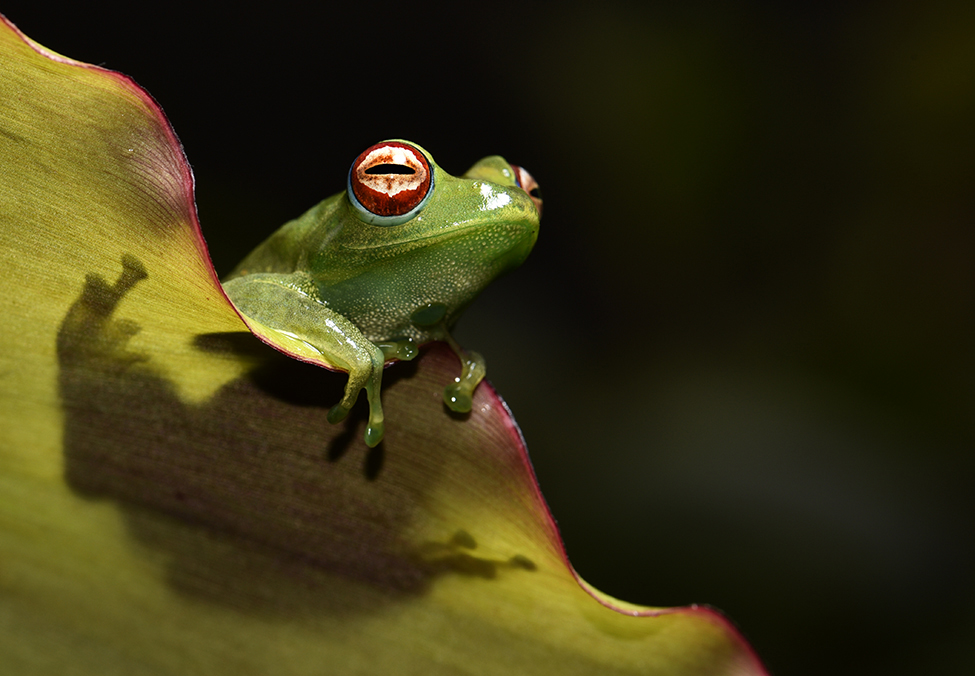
<point>171,497</point>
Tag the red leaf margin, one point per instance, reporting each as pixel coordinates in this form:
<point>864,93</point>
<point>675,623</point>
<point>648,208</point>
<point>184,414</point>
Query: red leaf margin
<point>182,176</point>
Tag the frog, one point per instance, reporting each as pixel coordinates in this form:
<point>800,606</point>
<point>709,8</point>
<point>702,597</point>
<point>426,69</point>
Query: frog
<point>367,276</point>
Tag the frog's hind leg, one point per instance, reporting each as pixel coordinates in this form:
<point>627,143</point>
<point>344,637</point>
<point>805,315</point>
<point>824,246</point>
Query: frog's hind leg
<point>286,308</point>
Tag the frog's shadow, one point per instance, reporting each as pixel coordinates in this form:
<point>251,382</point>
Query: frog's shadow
<point>290,381</point>
<point>255,498</point>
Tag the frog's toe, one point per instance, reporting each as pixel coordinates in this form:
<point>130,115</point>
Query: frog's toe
<point>375,429</point>
<point>457,397</point>
<point>404,350</point>
<point>374,434</point>
<point>338,413</point>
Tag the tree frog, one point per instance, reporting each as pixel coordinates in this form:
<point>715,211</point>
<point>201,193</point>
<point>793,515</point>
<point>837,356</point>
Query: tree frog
<point>367,275</point>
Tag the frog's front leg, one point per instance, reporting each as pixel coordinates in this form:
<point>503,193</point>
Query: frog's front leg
<point>459,394</point>
<point>290,304</point>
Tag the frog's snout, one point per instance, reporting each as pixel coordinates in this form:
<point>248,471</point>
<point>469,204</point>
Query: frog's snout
<point>528,183</point>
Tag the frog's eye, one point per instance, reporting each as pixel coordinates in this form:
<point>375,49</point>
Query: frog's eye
<point>390,183</point>
<point>528,183</point>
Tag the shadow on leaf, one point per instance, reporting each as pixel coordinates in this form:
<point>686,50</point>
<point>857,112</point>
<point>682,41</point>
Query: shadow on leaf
<point>280,502</point>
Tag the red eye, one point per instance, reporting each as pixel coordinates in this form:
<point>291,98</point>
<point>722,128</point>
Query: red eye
<point>390,182</point>
<point>528,183</point>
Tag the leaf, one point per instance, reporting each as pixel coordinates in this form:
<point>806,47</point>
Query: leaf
<point>172,499</point>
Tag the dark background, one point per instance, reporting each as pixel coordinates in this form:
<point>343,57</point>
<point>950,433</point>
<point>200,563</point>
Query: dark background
<point>743,350</point>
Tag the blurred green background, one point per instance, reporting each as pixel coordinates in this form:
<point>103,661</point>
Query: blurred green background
<point>743,350</point>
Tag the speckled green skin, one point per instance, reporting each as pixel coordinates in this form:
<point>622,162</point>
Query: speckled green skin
<point>353,290</point>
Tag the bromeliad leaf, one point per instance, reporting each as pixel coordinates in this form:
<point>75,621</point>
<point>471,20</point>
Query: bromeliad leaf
<point>171,498</point>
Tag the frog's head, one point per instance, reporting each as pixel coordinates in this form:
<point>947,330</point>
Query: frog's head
<point>433,238</point>
<point>396,186</point>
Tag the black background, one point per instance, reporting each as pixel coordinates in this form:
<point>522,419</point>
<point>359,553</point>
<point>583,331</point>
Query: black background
<point>743,350</point>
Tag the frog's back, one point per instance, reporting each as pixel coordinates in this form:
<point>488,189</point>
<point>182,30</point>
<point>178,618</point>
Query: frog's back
<point>285,250</point>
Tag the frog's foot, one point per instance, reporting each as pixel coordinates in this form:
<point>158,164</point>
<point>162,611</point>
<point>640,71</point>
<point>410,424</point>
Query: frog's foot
<point>375,429</point>
<point>403,349</point>
<point>368,375</point>
<point>459,394</point>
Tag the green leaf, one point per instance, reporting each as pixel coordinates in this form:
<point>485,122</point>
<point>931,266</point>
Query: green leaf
<point>172,500</point>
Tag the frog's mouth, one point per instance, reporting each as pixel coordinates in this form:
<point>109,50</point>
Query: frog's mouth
<point>518,230</point>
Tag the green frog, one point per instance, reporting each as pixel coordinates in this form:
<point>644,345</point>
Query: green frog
<point>368,275</point>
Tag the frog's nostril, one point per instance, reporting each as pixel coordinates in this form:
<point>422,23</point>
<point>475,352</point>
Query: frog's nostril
<point>528,183</point>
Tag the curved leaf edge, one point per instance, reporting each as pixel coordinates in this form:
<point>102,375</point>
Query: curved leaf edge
<point>623,607</point>
<point>549,522</point>
<point>129,83</point>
